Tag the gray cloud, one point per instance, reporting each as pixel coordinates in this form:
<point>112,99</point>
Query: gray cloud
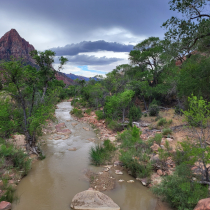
<point>71,21</point>
<point>89,60</point>
<point>96,46</point>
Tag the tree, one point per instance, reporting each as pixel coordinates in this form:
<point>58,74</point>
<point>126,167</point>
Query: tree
<point>190,31</point>
<point>148,75</point>
<point>28,88</point>
<point>194,77</point>
<point>119,102</point>
<point>198,116</point>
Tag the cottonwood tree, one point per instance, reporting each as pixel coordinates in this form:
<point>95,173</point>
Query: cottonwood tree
<point>28,88</point>
<point>190,31</point>
<point>150,60</point>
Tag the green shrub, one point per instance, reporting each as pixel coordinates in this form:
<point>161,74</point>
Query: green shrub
<point>97,155</point>
<point>158,138</point>
<point>17,157</point>
<point>109,146</point>
<point>115,126</point>
<point>77,112</point>
<point>74,101</point>
<point>153,110</point>
<point>88,111</point>
<point>130,137</point>
<point>135,113</point>
<point>9,192</point>
<point>158,118</point>
<point>7,123</point>
<point>166,131</point>
<point>162,122</point>
<point>179,190</point>
<point>145,114</point>
<point>137,168</point>
<point>100,154</point>
<point>99,114</point>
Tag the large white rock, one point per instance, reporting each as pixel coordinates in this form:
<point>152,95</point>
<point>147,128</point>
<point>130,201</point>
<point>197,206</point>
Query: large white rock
<point>93,200</point>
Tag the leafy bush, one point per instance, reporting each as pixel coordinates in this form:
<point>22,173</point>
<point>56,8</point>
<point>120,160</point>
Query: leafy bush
<point>19,159</point>
<point>74,101</point>
<point>109,146</point>
<point>88,111</point>
<point>137,168</point>
<point>135,113</point>
<point>77,112</point>
<point>129,137</point>
<point>179,190</point>
<point>7,124</point>
<point>100,154</point>
<point>163,122</point>
<point>8,194</point>
<point>99,114</point>
<point>115,126</point>
<point>158,138</point>
<point>166,131</point>
<point>97,155</point>
<point>153,110</point>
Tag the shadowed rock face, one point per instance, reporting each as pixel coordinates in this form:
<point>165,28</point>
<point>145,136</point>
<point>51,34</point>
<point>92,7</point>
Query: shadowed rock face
<point>11,44</point>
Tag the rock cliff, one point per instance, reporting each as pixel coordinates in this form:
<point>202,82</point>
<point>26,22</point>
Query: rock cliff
<point>12,44</point>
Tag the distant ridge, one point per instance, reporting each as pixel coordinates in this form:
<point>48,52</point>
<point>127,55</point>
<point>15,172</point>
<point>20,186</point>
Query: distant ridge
<point>12,44</point>
<point>73,76</point>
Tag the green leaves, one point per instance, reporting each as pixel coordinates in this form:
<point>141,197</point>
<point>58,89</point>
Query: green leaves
<point>198,112</point>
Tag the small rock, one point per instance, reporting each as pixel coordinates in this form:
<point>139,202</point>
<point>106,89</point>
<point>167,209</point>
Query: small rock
<point>118,163</point>
<point>155,158</point>
<point>121,180</point>
<point>159,172</point>
<point>74,124</point>
<point>5,205</point>
<point>100,173</point>
<point>130,181</point>
<point>85,128</point>
<point>155,147</point>
<point>118,172</point>
<point>72,149</point>
<point>169,139</point>
<point>66,137</point>
<point>203,204</point>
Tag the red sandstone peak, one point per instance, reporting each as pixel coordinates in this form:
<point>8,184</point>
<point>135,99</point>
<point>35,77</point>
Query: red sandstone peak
<point>11,44</point>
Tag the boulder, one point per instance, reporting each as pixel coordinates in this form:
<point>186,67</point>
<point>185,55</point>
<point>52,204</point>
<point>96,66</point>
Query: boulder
<point>155,147</point>
<point>93,200</point>
<point>203,204</point>
<point>5,205</point>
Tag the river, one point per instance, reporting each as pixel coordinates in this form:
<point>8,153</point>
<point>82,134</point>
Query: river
<point>52,183</point>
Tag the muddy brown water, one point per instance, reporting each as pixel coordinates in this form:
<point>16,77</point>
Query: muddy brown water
<point>53,182</point>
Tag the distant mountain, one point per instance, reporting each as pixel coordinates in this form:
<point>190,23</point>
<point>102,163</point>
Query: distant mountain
<point>73,76</point>
<point>11,44</point>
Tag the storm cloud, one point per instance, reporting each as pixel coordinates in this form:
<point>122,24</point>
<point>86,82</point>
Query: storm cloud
<point>89,60</point>
<point>96,46</point>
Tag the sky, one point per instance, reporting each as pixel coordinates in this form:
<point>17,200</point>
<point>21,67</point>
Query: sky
<point>95,35</point>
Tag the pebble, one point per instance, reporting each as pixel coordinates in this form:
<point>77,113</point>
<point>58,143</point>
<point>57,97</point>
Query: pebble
<point>121,180</point>
<point>130,181</point>
<point>118,172</point>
